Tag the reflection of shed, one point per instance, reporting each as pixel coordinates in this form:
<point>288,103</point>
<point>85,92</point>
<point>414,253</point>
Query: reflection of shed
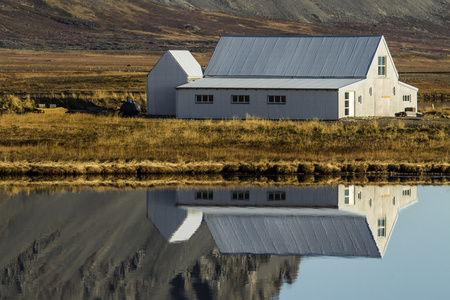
<point>294,231</point>
<point>300,221</point>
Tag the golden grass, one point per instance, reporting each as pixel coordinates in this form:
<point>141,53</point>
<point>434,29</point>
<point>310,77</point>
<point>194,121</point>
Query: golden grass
<point>61,143</point>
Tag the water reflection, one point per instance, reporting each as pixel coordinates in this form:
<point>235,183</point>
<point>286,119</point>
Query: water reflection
<point>196,243</point>
<point>327,220</point>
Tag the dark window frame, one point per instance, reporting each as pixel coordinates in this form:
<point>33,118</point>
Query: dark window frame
<point>204,99</point>
<point>276,99</point>
<point>276,196</point>
<point>240,99</point>
<point>240,195</point>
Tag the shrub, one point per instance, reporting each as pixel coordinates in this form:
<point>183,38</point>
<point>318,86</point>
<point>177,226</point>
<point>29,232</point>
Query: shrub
<point>14,104</point>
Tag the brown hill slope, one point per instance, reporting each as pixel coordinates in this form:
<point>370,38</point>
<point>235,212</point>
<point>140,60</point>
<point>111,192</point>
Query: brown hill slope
<point>329,11</point>
<point>146,25</point>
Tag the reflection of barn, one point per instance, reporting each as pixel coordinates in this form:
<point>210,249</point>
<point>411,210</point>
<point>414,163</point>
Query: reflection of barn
<point>273,77</point>
<point>334,221</point>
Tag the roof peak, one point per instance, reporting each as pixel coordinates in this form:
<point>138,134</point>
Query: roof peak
<point>302,36</point>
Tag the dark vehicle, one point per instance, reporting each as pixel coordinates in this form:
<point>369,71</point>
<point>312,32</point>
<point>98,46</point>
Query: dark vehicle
<point>130,108</point>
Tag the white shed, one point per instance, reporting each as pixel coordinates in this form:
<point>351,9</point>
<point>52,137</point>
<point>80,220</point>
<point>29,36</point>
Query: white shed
<point>297,77</point>
<point>176,67</point>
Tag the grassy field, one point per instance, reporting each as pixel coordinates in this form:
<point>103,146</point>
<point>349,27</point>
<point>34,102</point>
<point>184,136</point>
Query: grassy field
<point>59,143</point>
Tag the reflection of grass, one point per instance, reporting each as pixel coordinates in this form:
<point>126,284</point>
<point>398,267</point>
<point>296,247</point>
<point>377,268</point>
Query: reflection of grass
<point>17,184</point>
<point>86,144</point>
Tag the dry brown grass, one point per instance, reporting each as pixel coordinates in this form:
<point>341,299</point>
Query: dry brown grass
<point>58,143</point>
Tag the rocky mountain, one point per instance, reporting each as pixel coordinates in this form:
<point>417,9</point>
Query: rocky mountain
<point>100,245</point>
<point>196,24</point>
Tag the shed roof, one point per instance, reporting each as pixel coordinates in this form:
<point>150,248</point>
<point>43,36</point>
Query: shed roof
<point>293,56</point>
<point>271,83</point>
<point>187,62</point>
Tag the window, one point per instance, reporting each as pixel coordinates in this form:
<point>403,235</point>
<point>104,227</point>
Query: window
<point>240,195</point>
<point>276,99</point>
<point>240,99</point>
<point>360,99</point>
<point>407,98</point>
<point>393,90</point>
<point>347,104</point>
<point>381,227</point>
<point>204,195</point>
<point>370,91</point>
<point>381,65</point>
<point>347,196</point>
<point>276,196</point>
<point>406,192</point>
<point>204,99</point>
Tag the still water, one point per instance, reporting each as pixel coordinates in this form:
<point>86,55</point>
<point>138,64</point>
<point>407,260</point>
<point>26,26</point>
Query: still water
<point>312,242</point>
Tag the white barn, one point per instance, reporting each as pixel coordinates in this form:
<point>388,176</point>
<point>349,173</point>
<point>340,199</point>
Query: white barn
<point>294,77</point>
<point>175,68</point>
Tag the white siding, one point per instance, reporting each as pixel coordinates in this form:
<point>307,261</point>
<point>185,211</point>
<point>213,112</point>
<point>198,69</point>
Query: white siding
<point>167,74</point>
<point>382,101</point>
<point>300,104</point>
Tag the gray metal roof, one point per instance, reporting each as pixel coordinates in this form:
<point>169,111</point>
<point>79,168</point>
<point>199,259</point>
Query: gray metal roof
<point>270,83</point>
<point>186,61</point>
<point>293,235</point>
<point>293,56</point>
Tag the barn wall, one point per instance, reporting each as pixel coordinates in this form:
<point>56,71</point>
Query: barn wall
<point>161,82</point>
<point>322,196</point>
<point>387,92</point>
<point>300,104</point>
<point>379,95</point>
<point>363,102</point>
<point>402,91</point>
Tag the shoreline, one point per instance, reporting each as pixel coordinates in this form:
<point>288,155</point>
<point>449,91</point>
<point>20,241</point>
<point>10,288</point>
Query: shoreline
<point>73,183</point>
<point>144,168</point>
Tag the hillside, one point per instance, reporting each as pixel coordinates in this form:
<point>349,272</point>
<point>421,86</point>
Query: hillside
<point>409,25</point>
<point>328,11</point>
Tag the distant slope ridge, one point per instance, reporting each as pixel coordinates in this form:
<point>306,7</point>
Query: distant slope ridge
<point>435,11</point>
<point>312,11</point>
<point>195,24</point>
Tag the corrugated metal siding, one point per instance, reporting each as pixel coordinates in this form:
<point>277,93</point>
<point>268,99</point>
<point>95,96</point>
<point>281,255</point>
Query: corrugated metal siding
<point>300,104</point>
<point>292,235</point>
<point>293,56</point>
<point>188,63</point>
<point>271,83</point>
